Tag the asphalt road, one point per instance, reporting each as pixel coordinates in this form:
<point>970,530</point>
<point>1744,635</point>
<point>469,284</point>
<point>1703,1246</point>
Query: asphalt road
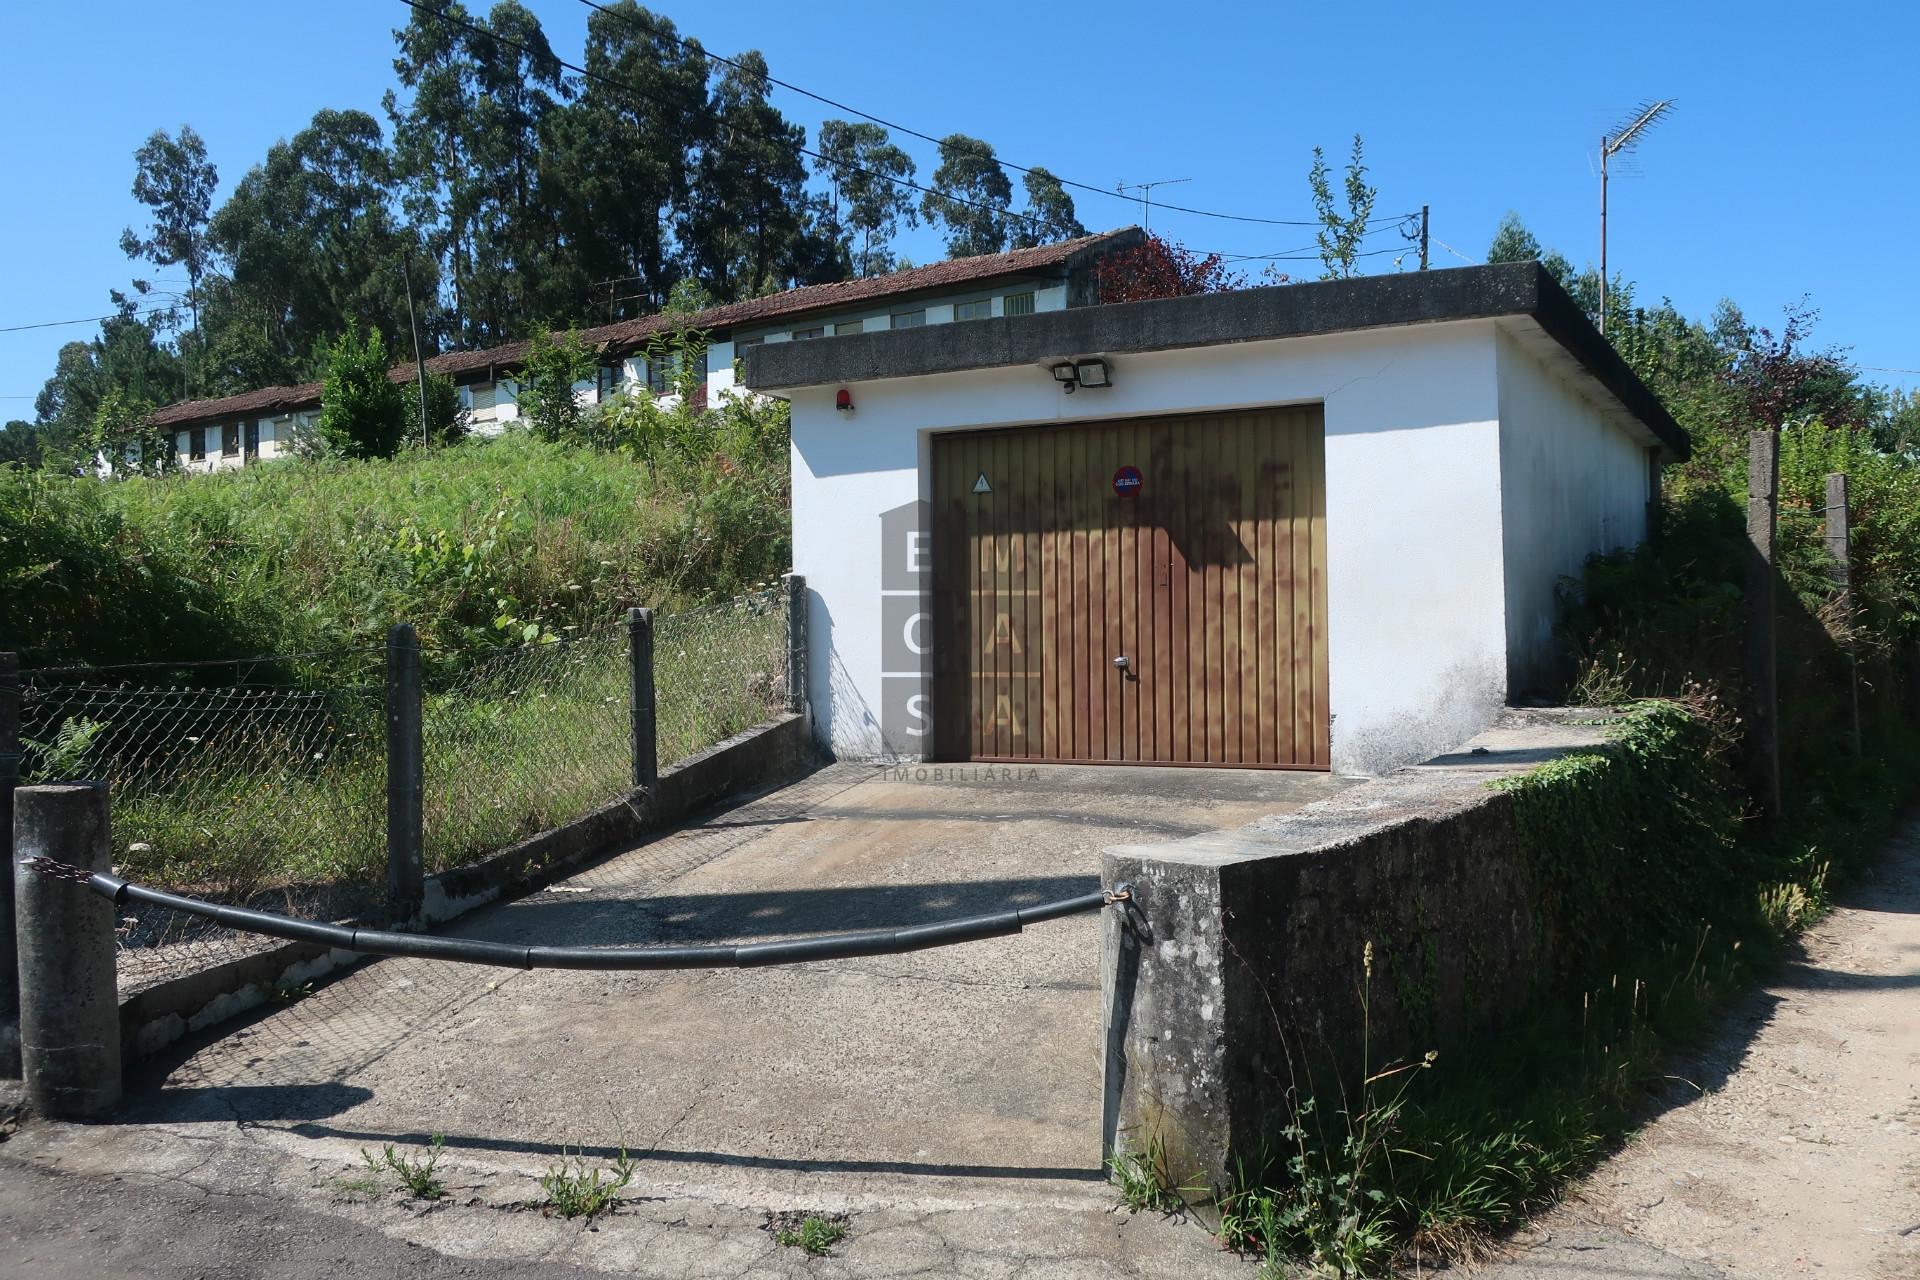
<point>56,1226</point>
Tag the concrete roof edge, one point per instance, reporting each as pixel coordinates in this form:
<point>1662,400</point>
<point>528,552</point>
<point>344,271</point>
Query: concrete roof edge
<point>1566,323</point>
<point>1245,315</point>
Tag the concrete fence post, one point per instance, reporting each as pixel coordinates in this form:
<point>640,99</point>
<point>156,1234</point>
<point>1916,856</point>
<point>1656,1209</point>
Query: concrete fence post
<point>1762,711</point>
<point>406,782</point>
<point>797,643</point>
<point>1839,550</point>
<point>70,1004</point>
<point>646,732</point>
<point>10,764</point>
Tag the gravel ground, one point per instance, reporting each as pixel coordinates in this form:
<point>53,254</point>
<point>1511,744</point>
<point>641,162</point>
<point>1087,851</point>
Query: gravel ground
<point>1801,1157</point>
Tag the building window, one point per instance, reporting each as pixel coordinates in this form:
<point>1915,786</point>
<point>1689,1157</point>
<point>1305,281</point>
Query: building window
<point>229,439</point>
<point>741,345</point>
<point>659,373</point>
<point>1018,304</point>
<point>818,331</point>
<point>907,319</point>
<point>845,327</point>
<point>980,310</point>
<point>197,445</point>
<point>483,397</point>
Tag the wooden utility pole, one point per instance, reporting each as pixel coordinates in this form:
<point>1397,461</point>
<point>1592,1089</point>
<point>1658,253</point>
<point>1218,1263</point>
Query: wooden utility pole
<point>419,361</point>
<point>1762,711</point>
<point>1839,550</point>
<point>1423,237</point>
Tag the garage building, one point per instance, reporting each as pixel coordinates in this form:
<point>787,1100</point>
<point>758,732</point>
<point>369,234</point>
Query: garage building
<point>1309,526</point>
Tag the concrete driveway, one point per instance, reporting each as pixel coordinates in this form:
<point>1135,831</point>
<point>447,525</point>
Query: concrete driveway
<point>949,1099</point>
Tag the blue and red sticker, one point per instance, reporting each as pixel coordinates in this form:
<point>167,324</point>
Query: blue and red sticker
<point>1127,481</point>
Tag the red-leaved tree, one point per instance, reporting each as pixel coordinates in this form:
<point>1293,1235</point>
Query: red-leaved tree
<point>1155,268</point>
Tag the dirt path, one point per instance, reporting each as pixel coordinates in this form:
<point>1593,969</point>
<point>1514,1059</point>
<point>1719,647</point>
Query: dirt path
<point>1803,1156</point>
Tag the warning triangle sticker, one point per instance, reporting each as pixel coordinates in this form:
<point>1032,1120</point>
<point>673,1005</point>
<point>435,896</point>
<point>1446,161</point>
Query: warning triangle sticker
<point>981,485</point>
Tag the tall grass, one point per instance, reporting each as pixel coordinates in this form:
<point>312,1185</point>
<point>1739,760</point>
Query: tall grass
<point>473,544</point>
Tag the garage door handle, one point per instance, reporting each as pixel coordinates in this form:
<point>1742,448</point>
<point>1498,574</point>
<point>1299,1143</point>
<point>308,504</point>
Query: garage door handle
<point>1123,662</point>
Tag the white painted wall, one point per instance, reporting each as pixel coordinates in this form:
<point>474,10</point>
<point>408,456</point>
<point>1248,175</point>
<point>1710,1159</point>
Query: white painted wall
<point>1573,484</point>
<point>1416,625</point>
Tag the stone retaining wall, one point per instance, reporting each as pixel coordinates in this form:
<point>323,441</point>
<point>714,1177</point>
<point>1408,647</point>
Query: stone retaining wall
<point>1240,964</point>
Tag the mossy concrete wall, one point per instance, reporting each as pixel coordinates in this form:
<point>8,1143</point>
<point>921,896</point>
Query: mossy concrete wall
<point>1393,918</point>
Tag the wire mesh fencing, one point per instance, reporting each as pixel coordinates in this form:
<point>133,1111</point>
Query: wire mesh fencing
<point>263,782</point>
<point>523,739</point>
<point>256,794</point>
<point>520,740</point>
<point>717,670</point>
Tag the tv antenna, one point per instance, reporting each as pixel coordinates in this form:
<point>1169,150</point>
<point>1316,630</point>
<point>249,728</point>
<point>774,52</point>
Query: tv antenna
<point>1146,196</point>
<point>1620,139</point>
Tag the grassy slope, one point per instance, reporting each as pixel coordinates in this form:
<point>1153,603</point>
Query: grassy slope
<point>492,549</point>
<point>472,544</point>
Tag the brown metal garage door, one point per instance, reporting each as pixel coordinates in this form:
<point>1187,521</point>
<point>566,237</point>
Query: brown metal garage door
<point>1207,577</point>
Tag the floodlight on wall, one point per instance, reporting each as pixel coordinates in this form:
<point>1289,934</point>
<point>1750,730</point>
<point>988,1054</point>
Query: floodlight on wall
<point>1074,374</point>
<point>1091,373</point>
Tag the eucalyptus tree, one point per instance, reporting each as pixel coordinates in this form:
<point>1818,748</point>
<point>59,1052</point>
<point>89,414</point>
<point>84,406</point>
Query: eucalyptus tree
<point>1049,214</point>
<point>175,180</point>
<point>517,246</point>
<point>617,158</point>
<point>747,217</point>
<point>866,172</point>
<point>432,146</point>
<point>971,197</point>
<point>313,244</point>
<point>1340,234</point>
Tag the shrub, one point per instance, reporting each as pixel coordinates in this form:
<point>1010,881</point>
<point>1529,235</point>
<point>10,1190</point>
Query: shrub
<point>446,417</point>
<point>125,437</point>
<point>548,375</point>
<point>363,411</point>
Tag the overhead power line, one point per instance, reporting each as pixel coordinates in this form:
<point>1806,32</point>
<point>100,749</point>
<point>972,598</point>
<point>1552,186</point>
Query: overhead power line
<point>56,324</point>
<point>696,47</point>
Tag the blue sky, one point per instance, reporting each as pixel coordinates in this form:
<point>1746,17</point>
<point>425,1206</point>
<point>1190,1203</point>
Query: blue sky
<point>1791,166</point>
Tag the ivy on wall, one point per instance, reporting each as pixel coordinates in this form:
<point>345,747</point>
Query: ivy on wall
<point>1632,846</point>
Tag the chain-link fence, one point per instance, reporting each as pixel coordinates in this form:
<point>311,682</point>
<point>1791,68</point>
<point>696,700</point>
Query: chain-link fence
<point>521,740</point>
<point>263,782</point>
<point>251,793</point>
<point>719,669</point>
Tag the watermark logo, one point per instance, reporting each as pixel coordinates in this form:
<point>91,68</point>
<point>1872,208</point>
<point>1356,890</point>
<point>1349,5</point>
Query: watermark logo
<point>906,630</point>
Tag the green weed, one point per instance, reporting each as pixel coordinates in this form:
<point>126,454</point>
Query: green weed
<point>415,1174</point>
<point>573,1190</point>
<point>366,1184</point>
<point>813,1233</point>
<point>1145,1178</point>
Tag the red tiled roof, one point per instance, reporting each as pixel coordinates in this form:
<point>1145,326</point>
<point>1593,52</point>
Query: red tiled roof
<point>265,400</point>
<point>628,335</point>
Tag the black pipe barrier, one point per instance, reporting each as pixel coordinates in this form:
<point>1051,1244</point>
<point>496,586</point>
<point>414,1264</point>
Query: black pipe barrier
<point>383,942</point>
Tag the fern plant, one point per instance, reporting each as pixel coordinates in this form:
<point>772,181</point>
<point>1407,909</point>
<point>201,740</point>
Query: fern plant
<point>66,756</point>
